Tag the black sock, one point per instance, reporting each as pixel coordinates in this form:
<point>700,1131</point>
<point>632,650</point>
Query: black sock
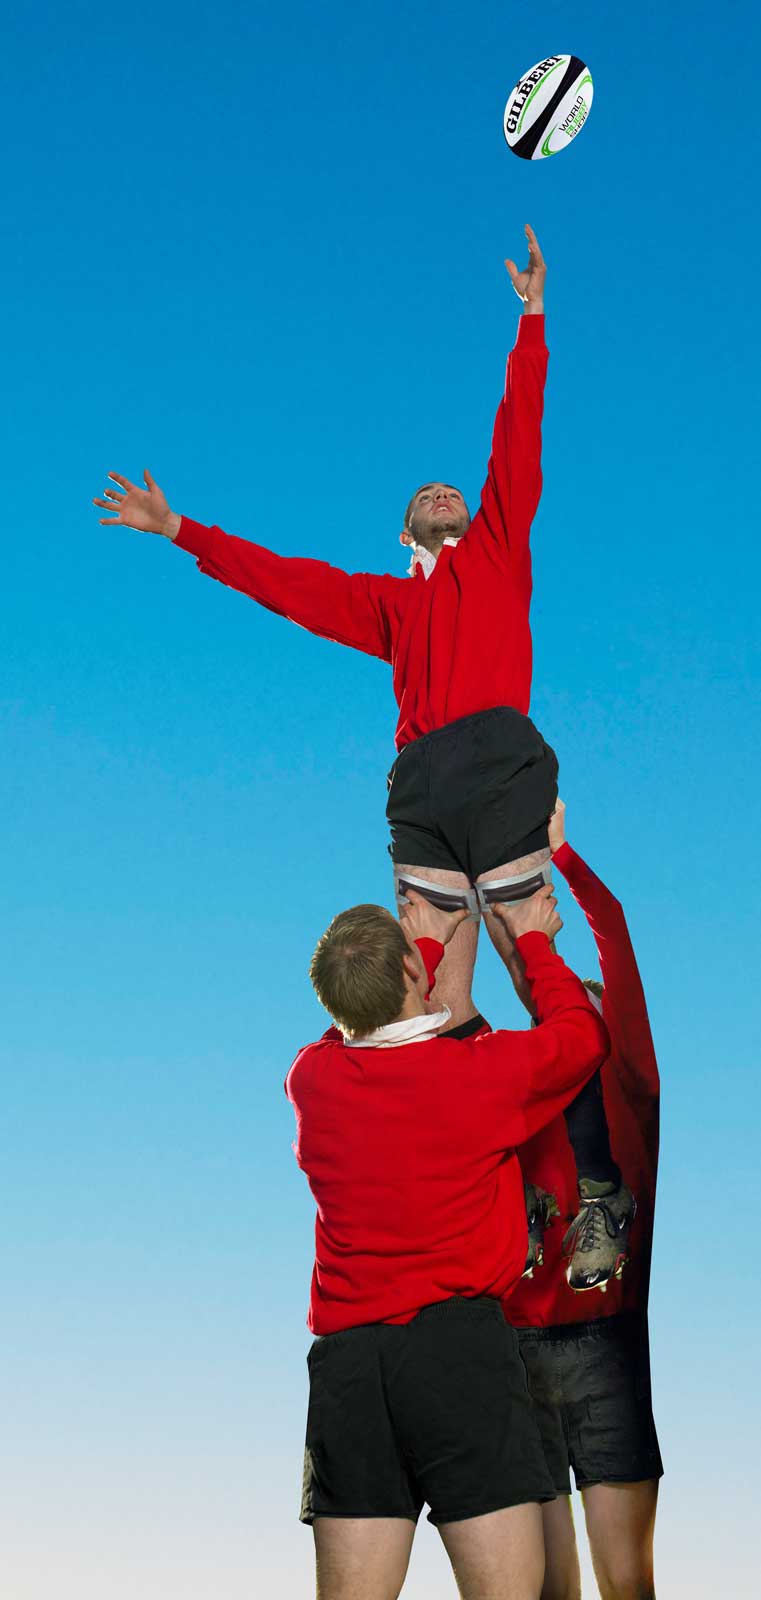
<point>588,1132</point>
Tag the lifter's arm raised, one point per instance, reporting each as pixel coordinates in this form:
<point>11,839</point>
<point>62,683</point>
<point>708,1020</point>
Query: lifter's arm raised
<point>527,1079</point>
<point>624,998</point>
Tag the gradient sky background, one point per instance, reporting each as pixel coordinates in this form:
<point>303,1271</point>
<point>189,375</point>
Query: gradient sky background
<point>263,257</point>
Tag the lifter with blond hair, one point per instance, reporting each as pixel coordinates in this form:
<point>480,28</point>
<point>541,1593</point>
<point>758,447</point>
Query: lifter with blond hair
<point>417,1391</point>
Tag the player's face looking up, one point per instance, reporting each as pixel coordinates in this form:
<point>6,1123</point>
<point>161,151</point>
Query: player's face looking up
<point>436,512</point>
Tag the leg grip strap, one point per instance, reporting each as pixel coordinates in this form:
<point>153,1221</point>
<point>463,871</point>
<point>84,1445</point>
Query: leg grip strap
<point>508,891</point>
<point>438,894</point>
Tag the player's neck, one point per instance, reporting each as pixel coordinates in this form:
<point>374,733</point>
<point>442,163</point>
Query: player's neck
<point>434,548</point>
<point>414,1006</point>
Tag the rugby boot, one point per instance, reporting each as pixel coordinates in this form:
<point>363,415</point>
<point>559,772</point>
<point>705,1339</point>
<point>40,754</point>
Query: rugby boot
<point>540,1209</point>
<point>598,1237</point>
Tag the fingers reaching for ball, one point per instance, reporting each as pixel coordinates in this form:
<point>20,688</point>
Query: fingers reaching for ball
<point>529,284</point>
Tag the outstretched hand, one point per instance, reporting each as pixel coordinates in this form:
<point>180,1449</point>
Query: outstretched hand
<point>535,915</point>
<point>421,920</point>
<point>529,285</point>
<point>145,509</point>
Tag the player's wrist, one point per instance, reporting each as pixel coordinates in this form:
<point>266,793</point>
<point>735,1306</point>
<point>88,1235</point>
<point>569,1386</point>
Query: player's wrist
<point>530,933</point>
<point>170,526</point>
<point>533,308</point>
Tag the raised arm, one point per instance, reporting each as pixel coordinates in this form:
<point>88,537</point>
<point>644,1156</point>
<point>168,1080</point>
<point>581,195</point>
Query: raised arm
<point>354,609</point>
<point>529,1077</point>
<point>623,996</point>
<point>535,1075</point>
<point>513,487</point>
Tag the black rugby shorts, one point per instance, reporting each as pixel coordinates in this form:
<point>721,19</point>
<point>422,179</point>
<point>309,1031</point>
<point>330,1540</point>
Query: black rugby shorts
<point>590,1384</point>
<point>473,795</point>
<point>436,1410</point>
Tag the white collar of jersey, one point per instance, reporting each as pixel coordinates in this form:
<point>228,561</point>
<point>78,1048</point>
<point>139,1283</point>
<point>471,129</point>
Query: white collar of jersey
<point>406,1031</point>
<point>422,558</point>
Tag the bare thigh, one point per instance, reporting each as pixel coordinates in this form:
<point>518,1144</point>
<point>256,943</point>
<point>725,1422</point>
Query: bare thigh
<point>510,869</point>
<point>562,1578</point>
<point>454,977</point>
<point>499,1556</point>
<point>361,1558</point>
<point>620,1521</point>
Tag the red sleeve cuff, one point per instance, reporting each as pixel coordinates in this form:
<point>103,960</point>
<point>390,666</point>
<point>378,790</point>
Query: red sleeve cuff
<point>530,329</point>
<point>533,945</point>
<point>432,952</point>
<point>563,856</point>
<point>195,538</point>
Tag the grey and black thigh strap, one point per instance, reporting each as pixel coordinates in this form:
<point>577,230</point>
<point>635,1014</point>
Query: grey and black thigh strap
<point>479,897</point>
<point>508,891</point>
<point>436,893</point>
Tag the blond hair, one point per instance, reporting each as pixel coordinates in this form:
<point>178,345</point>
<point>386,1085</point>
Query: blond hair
<point>357,970</point>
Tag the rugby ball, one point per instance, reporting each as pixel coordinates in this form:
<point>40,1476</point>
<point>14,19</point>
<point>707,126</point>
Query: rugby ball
<point>548,107</point>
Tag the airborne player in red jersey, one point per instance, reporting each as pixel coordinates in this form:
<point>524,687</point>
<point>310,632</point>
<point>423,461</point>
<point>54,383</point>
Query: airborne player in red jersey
<point>474,783</point>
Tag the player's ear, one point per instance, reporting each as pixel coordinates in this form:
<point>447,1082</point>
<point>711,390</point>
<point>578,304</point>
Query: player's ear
<point>413,965</point>
<point>405,537</point>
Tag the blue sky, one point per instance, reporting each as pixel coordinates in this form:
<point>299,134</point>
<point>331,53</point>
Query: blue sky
<point>263,257</point>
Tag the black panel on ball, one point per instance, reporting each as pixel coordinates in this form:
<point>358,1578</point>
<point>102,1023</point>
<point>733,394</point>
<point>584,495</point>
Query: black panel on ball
<point>528,141</point>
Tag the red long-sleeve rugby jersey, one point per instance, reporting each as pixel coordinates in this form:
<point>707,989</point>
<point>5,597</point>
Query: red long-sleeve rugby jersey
<point>459,641</point>
<point>630,1086</point>
<point>409,1152</point>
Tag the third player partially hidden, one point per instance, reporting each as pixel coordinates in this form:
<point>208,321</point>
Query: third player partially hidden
<point>587,1356</point>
